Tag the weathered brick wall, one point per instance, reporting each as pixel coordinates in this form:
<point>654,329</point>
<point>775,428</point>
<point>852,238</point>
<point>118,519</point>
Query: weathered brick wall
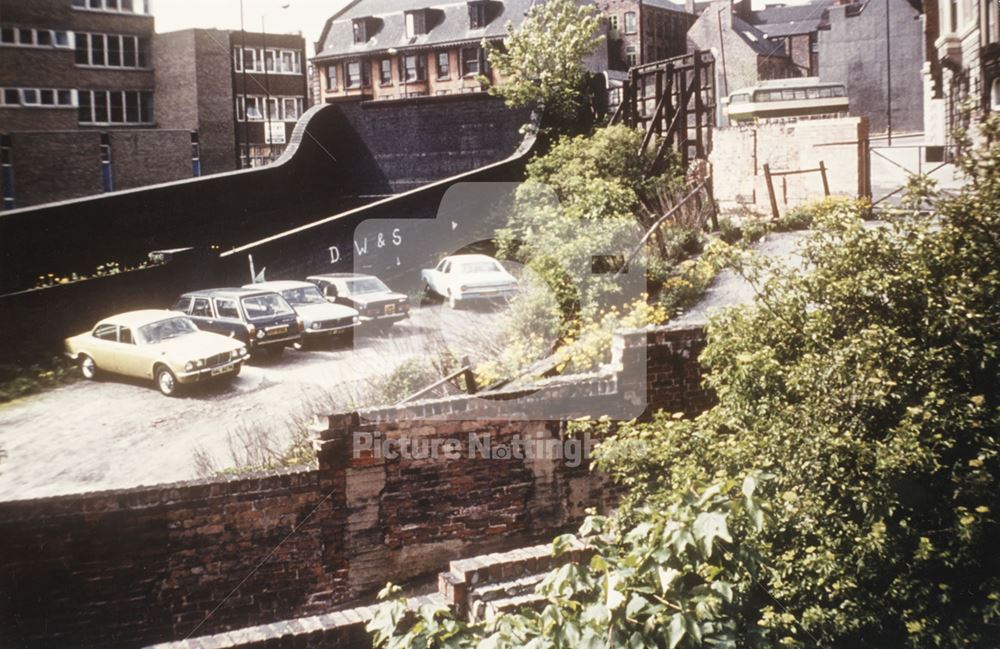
<point>740,152</point>
<point>139,155</point>
<point>119,568</point>
<point>124,568</point>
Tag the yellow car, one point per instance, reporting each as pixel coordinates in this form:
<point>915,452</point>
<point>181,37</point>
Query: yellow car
<point>164,346</point>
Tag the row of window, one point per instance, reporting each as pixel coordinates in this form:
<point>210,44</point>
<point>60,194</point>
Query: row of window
<point>630,22</point>
<point>115,106</point>
<point>276,61</point>
<point>111,50</point>
<point>423,93</point>
<point>411,67</point>
<point>25,37</point>
<point>279,109</point>
<point>37,97</point>
<point>121,6</point>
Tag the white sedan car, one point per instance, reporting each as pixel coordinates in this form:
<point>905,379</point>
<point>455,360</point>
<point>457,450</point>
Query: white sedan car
<point>462,278</point>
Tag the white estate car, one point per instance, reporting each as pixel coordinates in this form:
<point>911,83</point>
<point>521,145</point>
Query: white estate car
<point>320,317</point>
<point>460,278</point>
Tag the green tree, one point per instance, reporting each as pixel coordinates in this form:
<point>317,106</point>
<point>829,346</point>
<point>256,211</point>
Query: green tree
<point>542,61</point>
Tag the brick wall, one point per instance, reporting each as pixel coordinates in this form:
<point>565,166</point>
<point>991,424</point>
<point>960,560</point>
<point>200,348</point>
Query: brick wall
<point>54,166</point>
<point>740,152</point>
<point>137,156</point>
<point>122,568</point>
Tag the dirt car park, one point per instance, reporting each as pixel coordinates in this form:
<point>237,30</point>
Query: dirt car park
<point>119,432</point>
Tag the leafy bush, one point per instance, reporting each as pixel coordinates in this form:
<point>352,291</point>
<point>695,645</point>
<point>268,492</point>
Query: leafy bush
<point>802,217</point>
<point>18,381</point>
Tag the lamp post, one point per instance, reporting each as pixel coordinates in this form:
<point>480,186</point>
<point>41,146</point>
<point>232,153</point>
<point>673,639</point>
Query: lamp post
<point>244,152</point>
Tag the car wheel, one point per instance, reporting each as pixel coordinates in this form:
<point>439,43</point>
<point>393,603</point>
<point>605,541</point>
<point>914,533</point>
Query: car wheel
<point>88,367</point>
<point>166,381</point>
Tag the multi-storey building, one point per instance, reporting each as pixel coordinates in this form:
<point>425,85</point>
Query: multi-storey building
<point>242,92</point>
<point>77,101</point>
<point>641,31</point>
<point>962,66</point>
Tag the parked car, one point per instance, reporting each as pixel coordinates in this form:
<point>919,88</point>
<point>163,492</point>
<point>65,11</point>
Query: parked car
<point>321,318</point>
<point>377,304</point>
<point>462,278</point>
<point>262,319</point>
<point>164,346</point>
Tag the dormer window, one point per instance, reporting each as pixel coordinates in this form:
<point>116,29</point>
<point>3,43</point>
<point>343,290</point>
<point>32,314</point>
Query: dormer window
<point>478,16</point>
<point>361,30</point>
<point>416,23</point>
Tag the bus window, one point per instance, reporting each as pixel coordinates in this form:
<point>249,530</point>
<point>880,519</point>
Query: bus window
<point>800,94</point>
<point>826,93</point>
<point>838,91</point>
<point>741,98</point>
<point>813,93</point>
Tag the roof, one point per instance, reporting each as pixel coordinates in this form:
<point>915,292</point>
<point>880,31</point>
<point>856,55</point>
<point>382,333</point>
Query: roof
<point>671,6</point>
<point>756,39</point>
<point>448,22</point>
<point>139,318</point>
<point>470,257</point>
<point>279,285</point>
<point>779,20</point>
<point>229,292</point>
<point>341,276</point>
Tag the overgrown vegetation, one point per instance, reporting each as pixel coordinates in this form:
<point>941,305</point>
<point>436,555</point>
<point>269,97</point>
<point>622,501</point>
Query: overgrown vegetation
<point>860,404</point>
<point>18,381</point>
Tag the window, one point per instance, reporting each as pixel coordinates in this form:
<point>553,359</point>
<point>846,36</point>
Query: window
<point>35,97</point>
<point>613,23</point>
<point>120,6</point>
<point>291,108</point>
<point>195,154</point>
<point>416,23</point>
<point>331,77</point>
<point>227,308</point>
<point>631,58</point>
<point>443,65</point>
<point>183,305</point>
<point>385,72</point>
<point>357,74</point>
<point>414,67</point>
<point>360,30</point>
<point>630,24</point>
<point>115,107</point>
<point>110,50</point>
<point>472,61</point>
<point>201,308</point>
<point>125,336</point>
<point>106,332</point>
<point>7,36</point>
<point>477,15</point>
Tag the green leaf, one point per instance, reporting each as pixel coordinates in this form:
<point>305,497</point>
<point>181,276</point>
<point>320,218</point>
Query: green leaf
<point>675,630</point>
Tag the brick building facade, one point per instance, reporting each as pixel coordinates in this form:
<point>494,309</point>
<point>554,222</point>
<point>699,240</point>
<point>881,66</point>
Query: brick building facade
<point>642,31</point>
<point>76,76</point>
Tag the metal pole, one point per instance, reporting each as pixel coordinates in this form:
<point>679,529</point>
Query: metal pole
<point>888,75</point>
<point>244,160</point>
<point>267,91</point>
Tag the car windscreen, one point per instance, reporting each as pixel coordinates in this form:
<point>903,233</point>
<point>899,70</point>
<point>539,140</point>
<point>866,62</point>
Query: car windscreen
<point>366,285</point>
<point>265,306</point>
<point>477,267</point>
<point>161,330</point>
<point>303,295</point>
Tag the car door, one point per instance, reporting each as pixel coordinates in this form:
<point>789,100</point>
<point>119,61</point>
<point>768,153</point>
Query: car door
<point>202,314</point>
<point>228,319</point>
<point>130,357</point>
<point>443,277</point>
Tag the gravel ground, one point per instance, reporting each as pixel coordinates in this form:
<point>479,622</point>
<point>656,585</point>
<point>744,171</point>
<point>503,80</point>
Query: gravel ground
<point>119,433</point>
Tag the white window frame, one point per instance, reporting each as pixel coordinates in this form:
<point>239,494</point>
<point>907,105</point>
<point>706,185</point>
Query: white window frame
<point>17,33</point>
<point>125,102</point>
<point>39,92</point>
<point>139,7</point>
<point>107,38</point>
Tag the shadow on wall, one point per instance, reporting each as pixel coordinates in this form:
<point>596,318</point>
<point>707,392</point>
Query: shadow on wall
<point>288,215</point>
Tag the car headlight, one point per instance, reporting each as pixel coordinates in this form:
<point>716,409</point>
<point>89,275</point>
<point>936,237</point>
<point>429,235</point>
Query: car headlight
<point>260,333</point>
<point>356,319</point>
<point>314,325</point>
<point>244,351</point>
<point>188,366</point>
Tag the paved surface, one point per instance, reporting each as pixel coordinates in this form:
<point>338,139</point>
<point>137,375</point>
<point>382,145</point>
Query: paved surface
<point>119,433</point>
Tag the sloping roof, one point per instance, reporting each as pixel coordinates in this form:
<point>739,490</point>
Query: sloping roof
<point>756,39</point>
<point>671,5</point>
<point>448,22</point>
<point>788,20</point>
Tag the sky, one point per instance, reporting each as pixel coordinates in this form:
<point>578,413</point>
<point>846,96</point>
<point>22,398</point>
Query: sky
<point>305,16</point>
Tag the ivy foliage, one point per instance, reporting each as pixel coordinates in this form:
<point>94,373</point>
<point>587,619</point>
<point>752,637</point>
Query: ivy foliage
<point>541,62</point>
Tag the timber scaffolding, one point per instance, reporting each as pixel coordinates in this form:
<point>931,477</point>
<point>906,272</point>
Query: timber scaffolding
<point>673,101</point>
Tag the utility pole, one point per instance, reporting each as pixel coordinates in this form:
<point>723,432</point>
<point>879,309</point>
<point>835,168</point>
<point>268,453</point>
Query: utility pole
<point>888,76</point>
<point>267,91</point>
<point>244,150</point>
